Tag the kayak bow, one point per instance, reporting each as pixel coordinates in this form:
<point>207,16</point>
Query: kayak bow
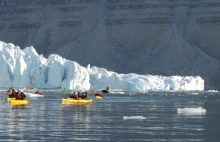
<point>19,102</point>
<point>9,99</point>
<point>98,97</point>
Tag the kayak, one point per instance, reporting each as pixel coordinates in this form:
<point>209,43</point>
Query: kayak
<point>71,101</point>
<point>32,95</point>
<point>105,91</point>
<point>9,99</point>
<point>19,102</point>
<point>98,97</point>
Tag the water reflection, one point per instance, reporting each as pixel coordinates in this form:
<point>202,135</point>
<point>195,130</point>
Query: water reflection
<point>48,119</point>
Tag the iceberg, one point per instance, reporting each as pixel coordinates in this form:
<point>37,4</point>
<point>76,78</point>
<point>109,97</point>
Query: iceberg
<point>23,67</point>
<point>191,111</point>
<point>100,78</point>
<point>133,117</point>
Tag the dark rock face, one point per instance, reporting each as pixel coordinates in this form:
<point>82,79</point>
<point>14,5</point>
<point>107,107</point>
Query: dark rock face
<point>165,37</point>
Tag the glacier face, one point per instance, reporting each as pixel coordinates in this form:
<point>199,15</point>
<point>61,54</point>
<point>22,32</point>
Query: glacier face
<point>23,67</point>
<point>160,37</point>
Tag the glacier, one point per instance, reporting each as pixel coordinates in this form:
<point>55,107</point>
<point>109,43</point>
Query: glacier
<point>23,67</point>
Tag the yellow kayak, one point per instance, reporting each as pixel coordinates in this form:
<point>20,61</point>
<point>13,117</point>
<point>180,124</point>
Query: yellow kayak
<point>9,99</point>
<point>19,102</point>
<point>71,101</point>
<point>98,97</point>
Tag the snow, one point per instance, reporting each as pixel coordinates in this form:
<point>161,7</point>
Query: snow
<point>191,111</point>
<point>23,67</point>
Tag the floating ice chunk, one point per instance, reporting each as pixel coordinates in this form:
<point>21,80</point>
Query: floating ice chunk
<point>212,91</point>
<point>116,92</point>
<point>191,111</point>
<point>195,93</point>
<point>133,117</point>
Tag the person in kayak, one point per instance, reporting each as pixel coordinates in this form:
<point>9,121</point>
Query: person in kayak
<point>74,96</point>
<point>11,93</point>
<point>83,95</point>
<point>105,91</point>
<point>20,95</point>
<point>98,94</point>
<point>38,92</point>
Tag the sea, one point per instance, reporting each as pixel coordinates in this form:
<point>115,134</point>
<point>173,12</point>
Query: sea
<point>121,117</point>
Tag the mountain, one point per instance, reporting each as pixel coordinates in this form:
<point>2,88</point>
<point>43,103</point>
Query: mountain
<point>159,37</point>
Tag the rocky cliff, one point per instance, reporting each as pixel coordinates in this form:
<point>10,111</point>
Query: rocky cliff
<point>165,37</point>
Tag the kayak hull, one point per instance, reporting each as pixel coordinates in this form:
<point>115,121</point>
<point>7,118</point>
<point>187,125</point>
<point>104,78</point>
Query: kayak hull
<point>32,95</point>
<point>9,99</point>
<point>98,97</point>
<point>73,101</point>
<point>19,102</point>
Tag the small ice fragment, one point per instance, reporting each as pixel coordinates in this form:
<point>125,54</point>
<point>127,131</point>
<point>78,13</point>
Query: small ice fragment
<point>191,111</point>
<point>133,117</point>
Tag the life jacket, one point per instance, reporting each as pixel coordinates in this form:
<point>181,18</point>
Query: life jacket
<point>80,95</point>
<point>38,92</point>
<point>75,96</point>
<point>20,96</point>
<point>13,94</point>
<point>98,94</point>
<point>83,96</point>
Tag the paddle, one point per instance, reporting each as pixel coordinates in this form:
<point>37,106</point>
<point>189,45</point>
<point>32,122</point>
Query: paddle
<point>31,91</point>
<point>27,99</point>
<point>64,92</point>
<point>92,92</point>
<point>28,87</point>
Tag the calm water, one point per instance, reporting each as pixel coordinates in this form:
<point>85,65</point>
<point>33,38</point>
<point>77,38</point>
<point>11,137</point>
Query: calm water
<point>46,119</point>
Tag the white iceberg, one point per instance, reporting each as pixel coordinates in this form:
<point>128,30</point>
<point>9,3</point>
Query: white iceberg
<point>213,91</point>
<point>191,111</point>
<point>133,117</point>
<point>100,78</point>
<point>19,68</point>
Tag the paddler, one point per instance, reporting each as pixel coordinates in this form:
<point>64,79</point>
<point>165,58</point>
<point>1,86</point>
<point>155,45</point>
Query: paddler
<point>74,96</point>
<point>38,92</point>
<point>98,94</point>
<point>105,91</point>
<point>20,95</point>
<point>11,93</point>
<point>83,95</point>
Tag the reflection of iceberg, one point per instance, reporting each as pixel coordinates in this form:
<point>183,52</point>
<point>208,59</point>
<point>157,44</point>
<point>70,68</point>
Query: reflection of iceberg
<point>191,111</point>
<point>133,117</point>
<point>24,67</point>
